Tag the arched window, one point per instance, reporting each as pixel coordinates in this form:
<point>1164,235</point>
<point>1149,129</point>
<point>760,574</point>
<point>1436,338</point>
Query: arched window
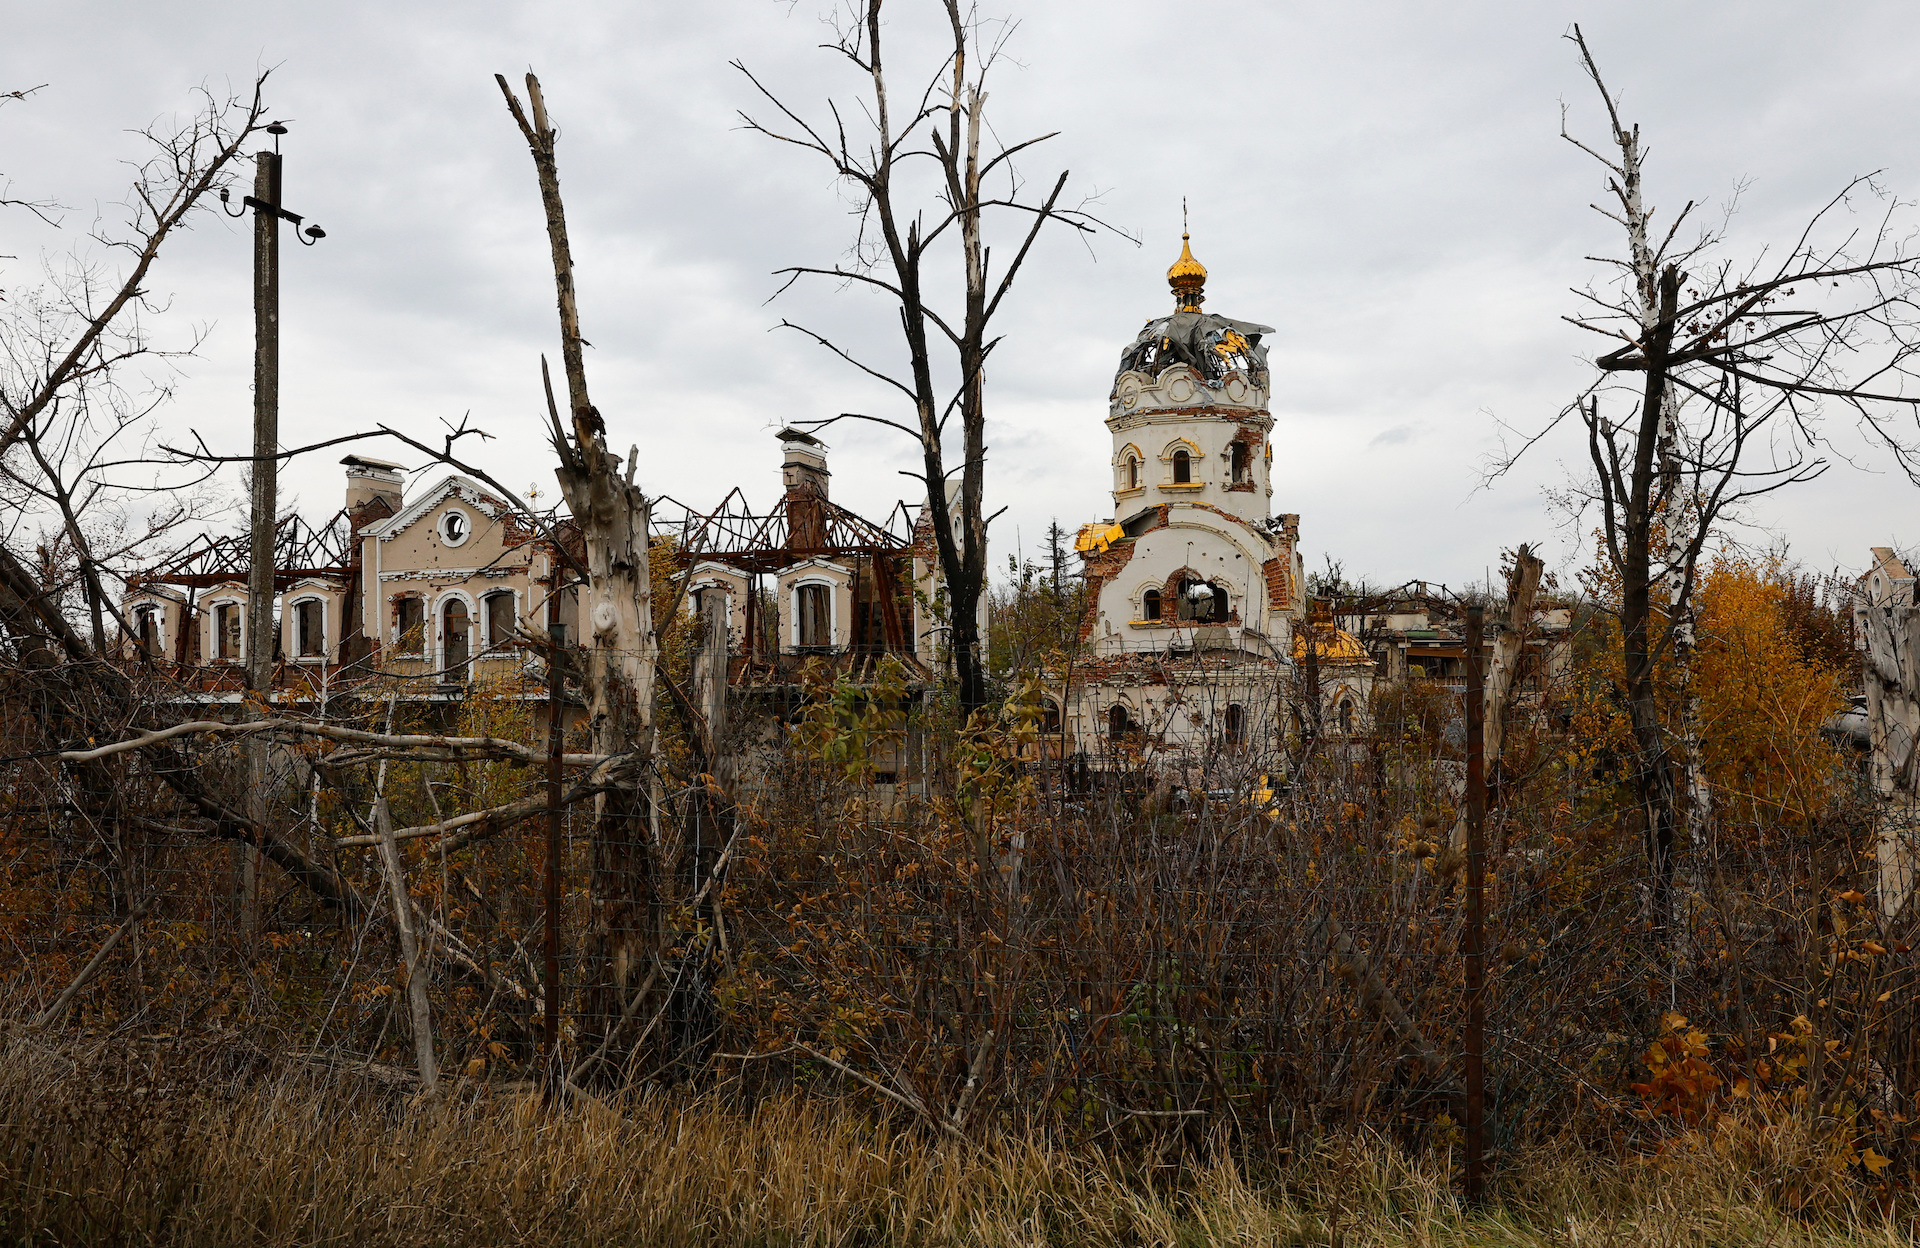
<point>1050,718</point>
<point>1119,722</point>
<point>1150,605</point>
<point>146,631</point>
<point>455,636</point>
<point>501,619</point>
<point>1204,603</point>
<point>814,603</point>
<point>707,601</point>
<point>310,628</point>
<point>1239,457</point>
<point>1182,467</point>
<point>1346,715</point>
<point>1133,472</point>
<point>1236,724</point>
<point>226,630</point>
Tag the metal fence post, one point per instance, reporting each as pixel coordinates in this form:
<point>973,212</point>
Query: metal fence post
<point>1474,936</point>
<point>550,885</point>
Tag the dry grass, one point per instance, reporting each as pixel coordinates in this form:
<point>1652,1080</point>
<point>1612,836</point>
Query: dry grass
<point>117,1147</point>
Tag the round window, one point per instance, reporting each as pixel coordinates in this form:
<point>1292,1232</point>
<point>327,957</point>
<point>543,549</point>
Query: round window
<point>455,526</point>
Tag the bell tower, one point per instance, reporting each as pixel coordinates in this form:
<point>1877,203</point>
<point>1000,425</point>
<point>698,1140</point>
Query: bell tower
<point>1188,412</point>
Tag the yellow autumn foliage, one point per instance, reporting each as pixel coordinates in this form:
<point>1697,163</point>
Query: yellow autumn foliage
<point>1762,699</point>
<point>1762,696</point>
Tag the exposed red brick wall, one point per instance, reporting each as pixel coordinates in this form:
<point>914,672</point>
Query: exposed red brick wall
<point>1106,565</point>
<point>1278,591</point>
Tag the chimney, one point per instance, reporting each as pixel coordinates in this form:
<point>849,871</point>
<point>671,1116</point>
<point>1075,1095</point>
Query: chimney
<point>370,481</point>
<point>804,470</point>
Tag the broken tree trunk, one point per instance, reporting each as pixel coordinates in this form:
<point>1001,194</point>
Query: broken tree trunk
<point>706,824</point>
<point>612,517</point>
<point>1509,632</point>
<point>1893,719</point>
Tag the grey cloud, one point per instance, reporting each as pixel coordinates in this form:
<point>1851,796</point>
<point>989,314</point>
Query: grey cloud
<point>1385,184</point>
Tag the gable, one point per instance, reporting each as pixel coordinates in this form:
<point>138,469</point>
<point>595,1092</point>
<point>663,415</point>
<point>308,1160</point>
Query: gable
<point>428,504</point>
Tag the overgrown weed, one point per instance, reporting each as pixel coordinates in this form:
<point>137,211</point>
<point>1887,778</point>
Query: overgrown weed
<point>117,1143</point>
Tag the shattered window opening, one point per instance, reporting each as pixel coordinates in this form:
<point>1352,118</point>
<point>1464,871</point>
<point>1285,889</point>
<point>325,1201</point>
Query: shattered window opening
<point>455,637</point>
<point>500,617</point>
<point>409,618</point>
<point>1150,605</point>
<point>226,631</point>
<point>309,628</point>
<point>813,602</point>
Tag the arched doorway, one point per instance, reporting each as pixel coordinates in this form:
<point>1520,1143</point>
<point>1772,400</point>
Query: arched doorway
<point>455,631</point>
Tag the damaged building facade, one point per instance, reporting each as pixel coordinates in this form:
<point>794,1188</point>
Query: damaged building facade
<point>426,597</point>
<point>809,579</point>
<point>435,591</point>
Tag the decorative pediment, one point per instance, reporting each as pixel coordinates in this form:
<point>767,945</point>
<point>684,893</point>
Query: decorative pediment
<point>465,489</point>
<point>815,567</point>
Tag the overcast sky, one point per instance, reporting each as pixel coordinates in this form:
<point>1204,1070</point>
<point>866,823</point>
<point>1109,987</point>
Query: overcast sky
<point>1384,183</point>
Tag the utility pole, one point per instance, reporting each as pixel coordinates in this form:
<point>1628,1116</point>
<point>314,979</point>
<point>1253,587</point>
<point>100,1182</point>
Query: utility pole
<point>267,215</point>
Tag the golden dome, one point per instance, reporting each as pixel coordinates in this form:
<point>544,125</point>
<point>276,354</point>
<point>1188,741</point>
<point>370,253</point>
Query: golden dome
<point>1331,644</point>
<point>1188,277</point>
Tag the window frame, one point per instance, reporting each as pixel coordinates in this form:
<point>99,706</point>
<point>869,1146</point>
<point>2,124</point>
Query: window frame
<point>440,604</point>
<point>512,597</point>
<point>466,523</point>
<point>293,616</point>
<point>154,615</point>
<point>797,595</point>
<point>398,626</point>
<point>217,635</point>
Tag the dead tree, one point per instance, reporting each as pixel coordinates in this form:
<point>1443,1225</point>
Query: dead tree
<point>612,515</point>
<point>942,127</point>
<point>1712,395</point>
<point>67,403</point>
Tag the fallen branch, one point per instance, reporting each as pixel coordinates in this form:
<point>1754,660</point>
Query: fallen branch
<point>464,747</point>
<point>1353,965</point>
<point>911,1103</point>
<point>52,1013</point>
<point>481,823</point>
<point>421,1018</point>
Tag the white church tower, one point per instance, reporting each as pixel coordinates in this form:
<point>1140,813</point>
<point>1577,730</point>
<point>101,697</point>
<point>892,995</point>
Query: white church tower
<point>1193,545</point>
<point>1195,586</point>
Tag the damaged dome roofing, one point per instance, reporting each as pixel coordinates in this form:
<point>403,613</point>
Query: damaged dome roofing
<point>1213,345</point>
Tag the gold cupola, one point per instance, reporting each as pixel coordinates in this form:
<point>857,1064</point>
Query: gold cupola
<point>1188,277</point>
